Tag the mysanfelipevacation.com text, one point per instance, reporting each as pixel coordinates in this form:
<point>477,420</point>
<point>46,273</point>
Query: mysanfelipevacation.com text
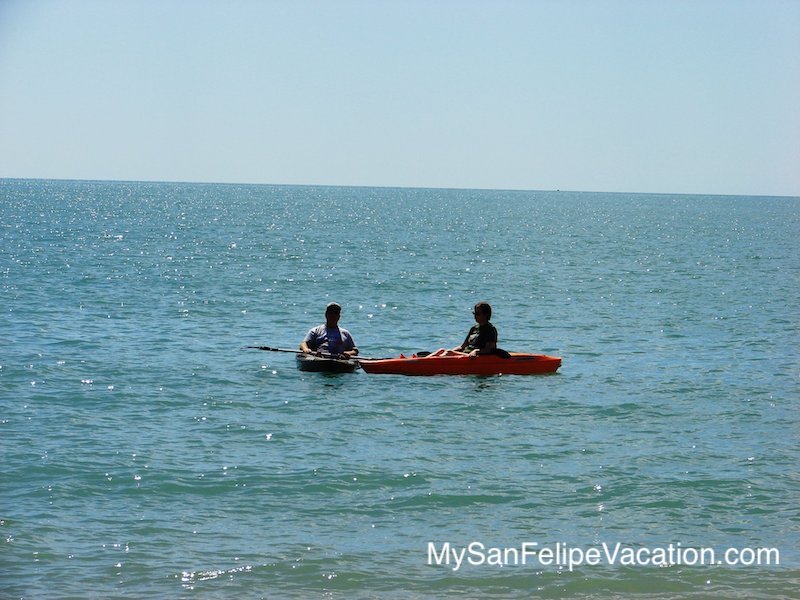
<point>567,556</point>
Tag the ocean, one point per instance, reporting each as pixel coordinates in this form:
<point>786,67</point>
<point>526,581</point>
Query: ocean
<point>147,454</point>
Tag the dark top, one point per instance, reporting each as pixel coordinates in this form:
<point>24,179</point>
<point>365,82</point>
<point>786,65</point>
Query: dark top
<point>479,336</point>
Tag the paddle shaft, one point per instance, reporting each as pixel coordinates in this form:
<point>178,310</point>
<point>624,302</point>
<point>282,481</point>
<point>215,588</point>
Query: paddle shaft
<point>293,351</point>
<point>270,349</point>
<point>274,349</point>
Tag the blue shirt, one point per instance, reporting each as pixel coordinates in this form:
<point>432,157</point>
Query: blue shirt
<point>331,340</point>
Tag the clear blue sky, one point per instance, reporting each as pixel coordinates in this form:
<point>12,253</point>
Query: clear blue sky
<point>683,96</point>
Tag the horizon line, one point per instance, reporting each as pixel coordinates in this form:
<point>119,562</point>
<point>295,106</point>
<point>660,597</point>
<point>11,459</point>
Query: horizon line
<point>392,187</point>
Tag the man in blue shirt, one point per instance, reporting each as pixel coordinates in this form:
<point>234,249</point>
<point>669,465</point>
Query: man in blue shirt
<point>329,338</point>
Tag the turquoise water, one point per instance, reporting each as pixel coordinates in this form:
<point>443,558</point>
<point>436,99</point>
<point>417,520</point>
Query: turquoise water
<point>146,454</point>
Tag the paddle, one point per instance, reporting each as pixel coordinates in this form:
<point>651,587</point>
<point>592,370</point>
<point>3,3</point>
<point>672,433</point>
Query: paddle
<point>358,358</point>
<point>336,356</point>
<point>273,349</point>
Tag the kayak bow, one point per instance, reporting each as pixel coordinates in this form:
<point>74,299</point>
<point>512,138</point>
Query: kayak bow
<point>325,364</point>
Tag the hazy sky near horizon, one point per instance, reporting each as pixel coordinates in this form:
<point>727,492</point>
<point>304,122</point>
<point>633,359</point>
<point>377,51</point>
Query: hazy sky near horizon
<point>679,96</point>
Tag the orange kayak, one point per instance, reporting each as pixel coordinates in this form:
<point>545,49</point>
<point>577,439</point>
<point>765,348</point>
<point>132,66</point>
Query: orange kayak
<point>517,363</point>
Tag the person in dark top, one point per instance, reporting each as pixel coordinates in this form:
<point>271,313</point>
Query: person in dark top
<point>481,339</point>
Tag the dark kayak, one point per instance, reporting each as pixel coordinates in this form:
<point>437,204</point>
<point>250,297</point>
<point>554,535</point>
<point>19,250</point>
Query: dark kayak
<point>325,364</point>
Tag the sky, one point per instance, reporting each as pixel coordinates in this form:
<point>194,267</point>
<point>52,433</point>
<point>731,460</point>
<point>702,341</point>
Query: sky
<point>679,96</point>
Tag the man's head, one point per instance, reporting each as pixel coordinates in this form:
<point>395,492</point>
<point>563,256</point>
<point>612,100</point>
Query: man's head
<point>332,313</point>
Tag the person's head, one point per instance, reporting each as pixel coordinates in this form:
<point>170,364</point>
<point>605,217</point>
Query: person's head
<point>482,310</point>
<point>332,313</point>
